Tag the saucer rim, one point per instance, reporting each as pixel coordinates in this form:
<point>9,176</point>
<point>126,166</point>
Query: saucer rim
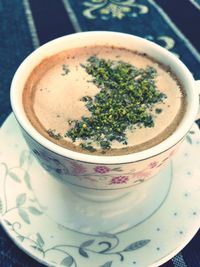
<point>161,261</point>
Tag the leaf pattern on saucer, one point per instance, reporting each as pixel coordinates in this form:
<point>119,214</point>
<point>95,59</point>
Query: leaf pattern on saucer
<point>85,249</point>
<point>107,264</point>
<point>24,215</point>
<point>137,245</point>
<point>27,206</point>
<point>14,176</point>
<point>68,261</point>
<point>19,174</point>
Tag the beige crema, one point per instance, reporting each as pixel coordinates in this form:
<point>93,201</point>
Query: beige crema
<point>51,98</point>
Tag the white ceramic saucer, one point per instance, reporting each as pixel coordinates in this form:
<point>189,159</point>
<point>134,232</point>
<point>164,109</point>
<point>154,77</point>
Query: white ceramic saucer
<point>27,215</point>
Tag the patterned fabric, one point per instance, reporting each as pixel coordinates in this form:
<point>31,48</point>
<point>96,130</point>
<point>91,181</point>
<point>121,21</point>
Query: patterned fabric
<point>178,261</point>
<point>25,24</point>
<point>16,43</point>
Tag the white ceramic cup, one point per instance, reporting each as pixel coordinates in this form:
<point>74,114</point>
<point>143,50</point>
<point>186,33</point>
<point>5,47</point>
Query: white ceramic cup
<point>103,176</point>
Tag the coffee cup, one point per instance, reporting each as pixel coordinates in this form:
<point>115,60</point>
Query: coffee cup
<point>100,177</point>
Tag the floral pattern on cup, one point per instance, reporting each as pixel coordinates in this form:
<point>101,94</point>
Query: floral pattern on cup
<point>51,165</point>
<point>101,169</point>
<point>77,169</point>
<point>119,179</point>
<point>100,176</point>
<point>153,164</point>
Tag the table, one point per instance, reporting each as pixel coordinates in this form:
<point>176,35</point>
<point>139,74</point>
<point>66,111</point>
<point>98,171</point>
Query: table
<point>26,24</point>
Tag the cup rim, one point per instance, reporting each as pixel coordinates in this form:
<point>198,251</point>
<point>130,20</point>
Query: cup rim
<point>169,142</point>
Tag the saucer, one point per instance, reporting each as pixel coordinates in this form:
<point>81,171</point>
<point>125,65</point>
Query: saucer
<point>45,236</point>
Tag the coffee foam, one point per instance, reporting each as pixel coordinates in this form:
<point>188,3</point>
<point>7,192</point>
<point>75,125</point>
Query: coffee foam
<point>51,98</point>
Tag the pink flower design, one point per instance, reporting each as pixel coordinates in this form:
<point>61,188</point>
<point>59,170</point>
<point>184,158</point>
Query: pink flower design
<point>153,164</point>
<point>77,168</point>
<point>119,180</point>
<point>101,169</point>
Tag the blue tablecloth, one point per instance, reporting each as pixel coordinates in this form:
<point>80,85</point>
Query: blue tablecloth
<point>26,24</point>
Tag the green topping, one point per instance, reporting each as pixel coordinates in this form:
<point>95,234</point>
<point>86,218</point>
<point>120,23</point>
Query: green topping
<point>124,101</point>
<point>65,70</point>
<point>54,134</point>
<point>87,146</point>
<point>158,110</point>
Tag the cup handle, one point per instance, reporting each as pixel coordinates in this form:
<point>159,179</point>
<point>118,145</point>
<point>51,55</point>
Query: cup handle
<point>197,85</point>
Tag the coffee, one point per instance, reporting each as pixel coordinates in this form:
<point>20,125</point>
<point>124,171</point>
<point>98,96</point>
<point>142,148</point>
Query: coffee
<point>57,93</point>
